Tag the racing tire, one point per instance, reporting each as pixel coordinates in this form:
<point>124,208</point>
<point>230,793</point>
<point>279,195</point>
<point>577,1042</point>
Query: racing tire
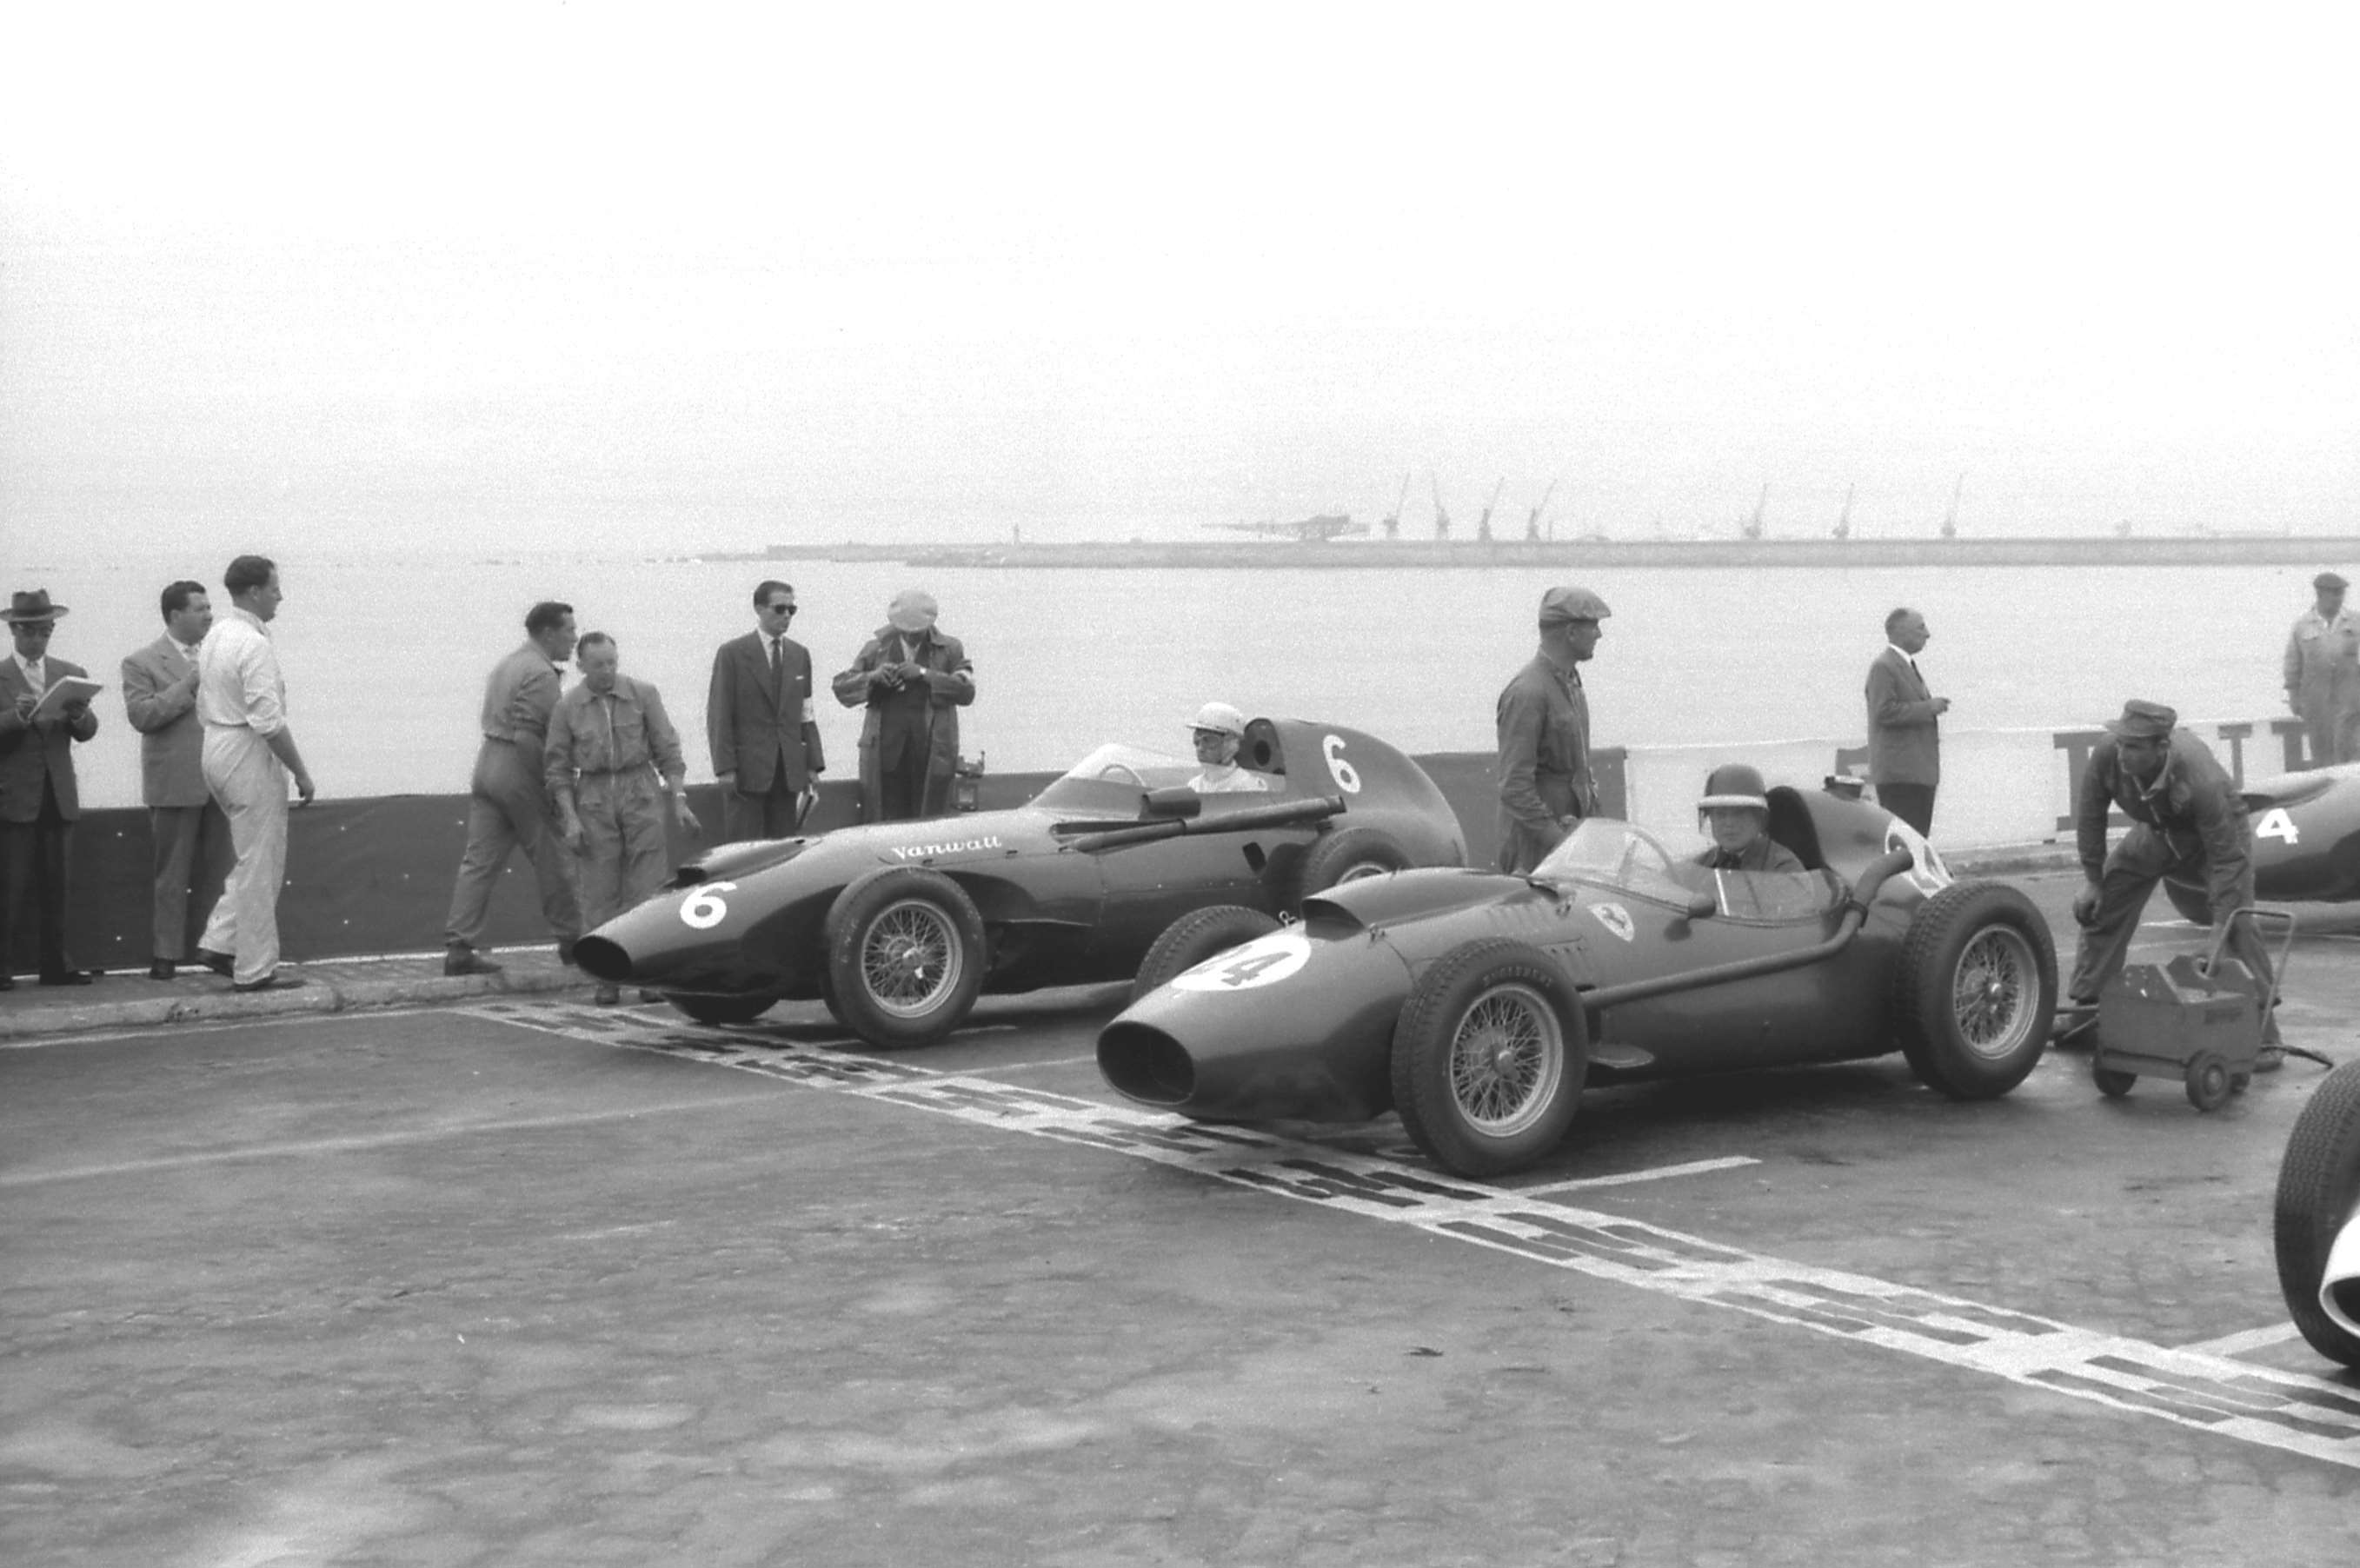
<point>1975,990</point>
<point>1489,1058</point>
<point>905,955</point>
<point>2319,1188</point>
<point>1346,854</point>
<point>1195,937</point>
<point>2194,904</point>
<point>715,1011</point>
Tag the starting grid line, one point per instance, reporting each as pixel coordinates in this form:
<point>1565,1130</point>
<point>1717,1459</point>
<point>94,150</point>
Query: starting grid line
<point>2193,1387</point>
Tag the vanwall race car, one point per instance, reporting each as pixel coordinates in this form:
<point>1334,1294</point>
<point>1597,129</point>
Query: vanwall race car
<point>899,926</point>
<point>1478,1005</point>
<point>2306,841</point>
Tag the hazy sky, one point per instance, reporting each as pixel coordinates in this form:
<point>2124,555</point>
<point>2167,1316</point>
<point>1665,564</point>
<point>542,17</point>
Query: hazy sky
<point>561,275</point>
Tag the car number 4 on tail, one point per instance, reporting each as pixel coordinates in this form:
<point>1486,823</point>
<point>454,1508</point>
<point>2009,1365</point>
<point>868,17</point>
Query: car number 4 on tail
<point>2276,823</point>
<point>1262,962</point>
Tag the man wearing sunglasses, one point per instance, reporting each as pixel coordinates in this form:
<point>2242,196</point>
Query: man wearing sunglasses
<point>38,803</point>
<point>759,722</point>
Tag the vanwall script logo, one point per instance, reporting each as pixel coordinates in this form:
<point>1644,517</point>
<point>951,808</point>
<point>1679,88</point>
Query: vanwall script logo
<point>955,846</point>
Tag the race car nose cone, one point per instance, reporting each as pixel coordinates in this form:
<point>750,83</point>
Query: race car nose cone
<point>602,958</point>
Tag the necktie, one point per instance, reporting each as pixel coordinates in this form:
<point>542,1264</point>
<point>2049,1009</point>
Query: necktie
<point>778,662</point>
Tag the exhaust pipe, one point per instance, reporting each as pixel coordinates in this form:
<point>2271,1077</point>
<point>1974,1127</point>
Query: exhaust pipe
<point>2339,1283</point>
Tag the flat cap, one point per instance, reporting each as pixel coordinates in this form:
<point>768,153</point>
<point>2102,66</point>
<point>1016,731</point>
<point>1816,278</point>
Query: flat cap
<point>1572,605</point>
<point>2144,721</point>
<point>2327,580</point>
<point>912,611</point>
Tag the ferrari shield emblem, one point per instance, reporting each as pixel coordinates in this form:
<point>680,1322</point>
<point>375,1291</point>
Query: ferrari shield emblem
<point>1615,918</point>
<point>1262,962</point>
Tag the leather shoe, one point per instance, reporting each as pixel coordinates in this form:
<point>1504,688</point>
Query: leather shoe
<point>608,997</point>
<point>565,953</point>
<point>461,959</point>
<point>221,963</point>
<point>276,980</point>
<point>7,982</point>
<point>163,969</point>
<point>69,977</point>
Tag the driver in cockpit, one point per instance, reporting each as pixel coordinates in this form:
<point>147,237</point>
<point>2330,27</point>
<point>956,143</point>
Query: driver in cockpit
<point>1219,730</point>
<point>1736,811</point>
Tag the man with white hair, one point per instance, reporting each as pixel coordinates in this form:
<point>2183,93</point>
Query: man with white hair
<point>1219,730</point>
<point>912,680</point>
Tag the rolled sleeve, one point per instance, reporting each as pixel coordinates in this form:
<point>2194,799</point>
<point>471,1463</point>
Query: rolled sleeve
<point>260,688</point>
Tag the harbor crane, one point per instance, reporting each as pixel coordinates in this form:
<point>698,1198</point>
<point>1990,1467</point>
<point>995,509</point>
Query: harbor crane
<point>1844,518</point>
<point>1393,519</point>
<point>1752,528</point>
<point>1533,523</point>
<point>1950,522</point>
<point>1483,523</point>
<point>1441,517</point>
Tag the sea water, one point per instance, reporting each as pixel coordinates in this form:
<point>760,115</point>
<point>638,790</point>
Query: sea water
<point>386,660</point>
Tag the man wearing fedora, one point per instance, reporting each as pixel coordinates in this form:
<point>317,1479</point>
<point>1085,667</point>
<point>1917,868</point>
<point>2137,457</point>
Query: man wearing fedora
<point>2322,673</point>
<point>913,680</point>
<point>38,804</point>
<point>2186,821</point>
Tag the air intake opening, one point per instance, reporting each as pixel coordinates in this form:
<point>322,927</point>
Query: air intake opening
<point>1146,1065</point>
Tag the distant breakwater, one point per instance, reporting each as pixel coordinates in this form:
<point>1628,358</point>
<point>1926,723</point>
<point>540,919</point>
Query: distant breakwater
<point>1429,554</point>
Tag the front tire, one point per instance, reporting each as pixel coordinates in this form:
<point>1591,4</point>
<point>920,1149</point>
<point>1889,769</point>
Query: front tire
<point>1489,1057</point>
<point>905,955</point>
<point>2319,1188</point>
<point>715,1011</point>
<point>1975,990</point>
<point>1195,937</point>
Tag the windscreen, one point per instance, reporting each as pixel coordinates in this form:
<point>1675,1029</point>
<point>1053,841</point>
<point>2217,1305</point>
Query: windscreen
<point>1112,779</point>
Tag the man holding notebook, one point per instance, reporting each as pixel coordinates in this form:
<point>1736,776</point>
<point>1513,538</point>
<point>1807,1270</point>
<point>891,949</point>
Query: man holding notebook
<point>44,711</point>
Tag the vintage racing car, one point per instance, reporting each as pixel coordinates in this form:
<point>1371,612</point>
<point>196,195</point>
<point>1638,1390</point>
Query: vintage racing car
<point>1478,1005</point>
<point>899,926</point>
<point>2306,841</point>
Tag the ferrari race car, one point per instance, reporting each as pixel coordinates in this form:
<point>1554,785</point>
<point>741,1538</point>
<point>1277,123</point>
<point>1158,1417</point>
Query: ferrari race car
<point>2306,841</point>
<point>1478,1006</point>
<point>900,926</point>
<point>2317,1219</point>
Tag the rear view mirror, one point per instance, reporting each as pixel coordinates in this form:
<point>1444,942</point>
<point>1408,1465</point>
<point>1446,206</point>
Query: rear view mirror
<point>1175,803</point>
<point>1701,904</point>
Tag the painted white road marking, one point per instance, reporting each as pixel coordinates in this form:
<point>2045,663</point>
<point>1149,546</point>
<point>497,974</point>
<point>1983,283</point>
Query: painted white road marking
<point>2238,1344</point>
<point>1656,1174</point>
<point>2190,1386</point>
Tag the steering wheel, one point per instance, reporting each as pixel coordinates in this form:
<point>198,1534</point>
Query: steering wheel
<point>1122,772</point>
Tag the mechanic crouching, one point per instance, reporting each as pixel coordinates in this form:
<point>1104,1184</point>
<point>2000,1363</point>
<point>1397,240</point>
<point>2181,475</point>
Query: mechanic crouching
<point>1219,730</point>
<point>1736,810</point>
<point>2187,822</point>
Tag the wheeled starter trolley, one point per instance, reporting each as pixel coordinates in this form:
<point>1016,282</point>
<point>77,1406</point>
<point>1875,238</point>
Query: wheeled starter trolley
<point>2200,1023</point>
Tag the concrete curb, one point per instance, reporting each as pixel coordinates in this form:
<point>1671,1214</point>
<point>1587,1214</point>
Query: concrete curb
<point>323,993</point>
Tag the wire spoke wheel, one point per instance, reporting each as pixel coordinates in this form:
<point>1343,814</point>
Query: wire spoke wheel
<point>911,958</point>
<point>1995,992</point>
<point>1506,1058</point>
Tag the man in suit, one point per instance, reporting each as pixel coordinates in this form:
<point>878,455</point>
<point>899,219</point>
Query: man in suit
<point>39,805</point>
<point>2322,673</point>
<point>508,800</point>
<point>1905,735</point>
<point>912,680</point>
<point>187,828</point>
<point>759,726</point>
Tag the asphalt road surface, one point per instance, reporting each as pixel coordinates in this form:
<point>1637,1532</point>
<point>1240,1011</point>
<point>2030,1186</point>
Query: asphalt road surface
<point>529,1281</point>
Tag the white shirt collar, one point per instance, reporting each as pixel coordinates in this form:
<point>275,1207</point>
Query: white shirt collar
<point>33,669</point>
<point>1910,657</point>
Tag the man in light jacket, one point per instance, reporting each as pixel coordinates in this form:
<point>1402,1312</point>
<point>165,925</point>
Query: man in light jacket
<point>187,829</point>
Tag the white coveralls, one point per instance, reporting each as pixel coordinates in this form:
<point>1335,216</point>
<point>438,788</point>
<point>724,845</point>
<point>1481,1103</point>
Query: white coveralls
<point>242,702</point>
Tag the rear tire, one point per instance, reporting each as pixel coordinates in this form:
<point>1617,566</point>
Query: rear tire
<point>1975,990</point>
<point>715,1011</point>
<point>1489,1057</point>
<point>1195,937</point>
<point>905,955</point>
<point>1343,854</point>
<point>2193,904</point>
<point>2318,1187</point>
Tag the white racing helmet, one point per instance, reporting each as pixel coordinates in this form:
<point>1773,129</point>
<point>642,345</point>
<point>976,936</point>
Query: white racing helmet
<point>1221,717</point>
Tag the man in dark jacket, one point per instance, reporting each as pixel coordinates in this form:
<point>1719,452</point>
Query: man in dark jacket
<point>759,726</point>
<point>913,680</point>
<point>1546,784</point>
<point>2186,819</point>
<point>38,803</point>
<point>1905,726</point>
